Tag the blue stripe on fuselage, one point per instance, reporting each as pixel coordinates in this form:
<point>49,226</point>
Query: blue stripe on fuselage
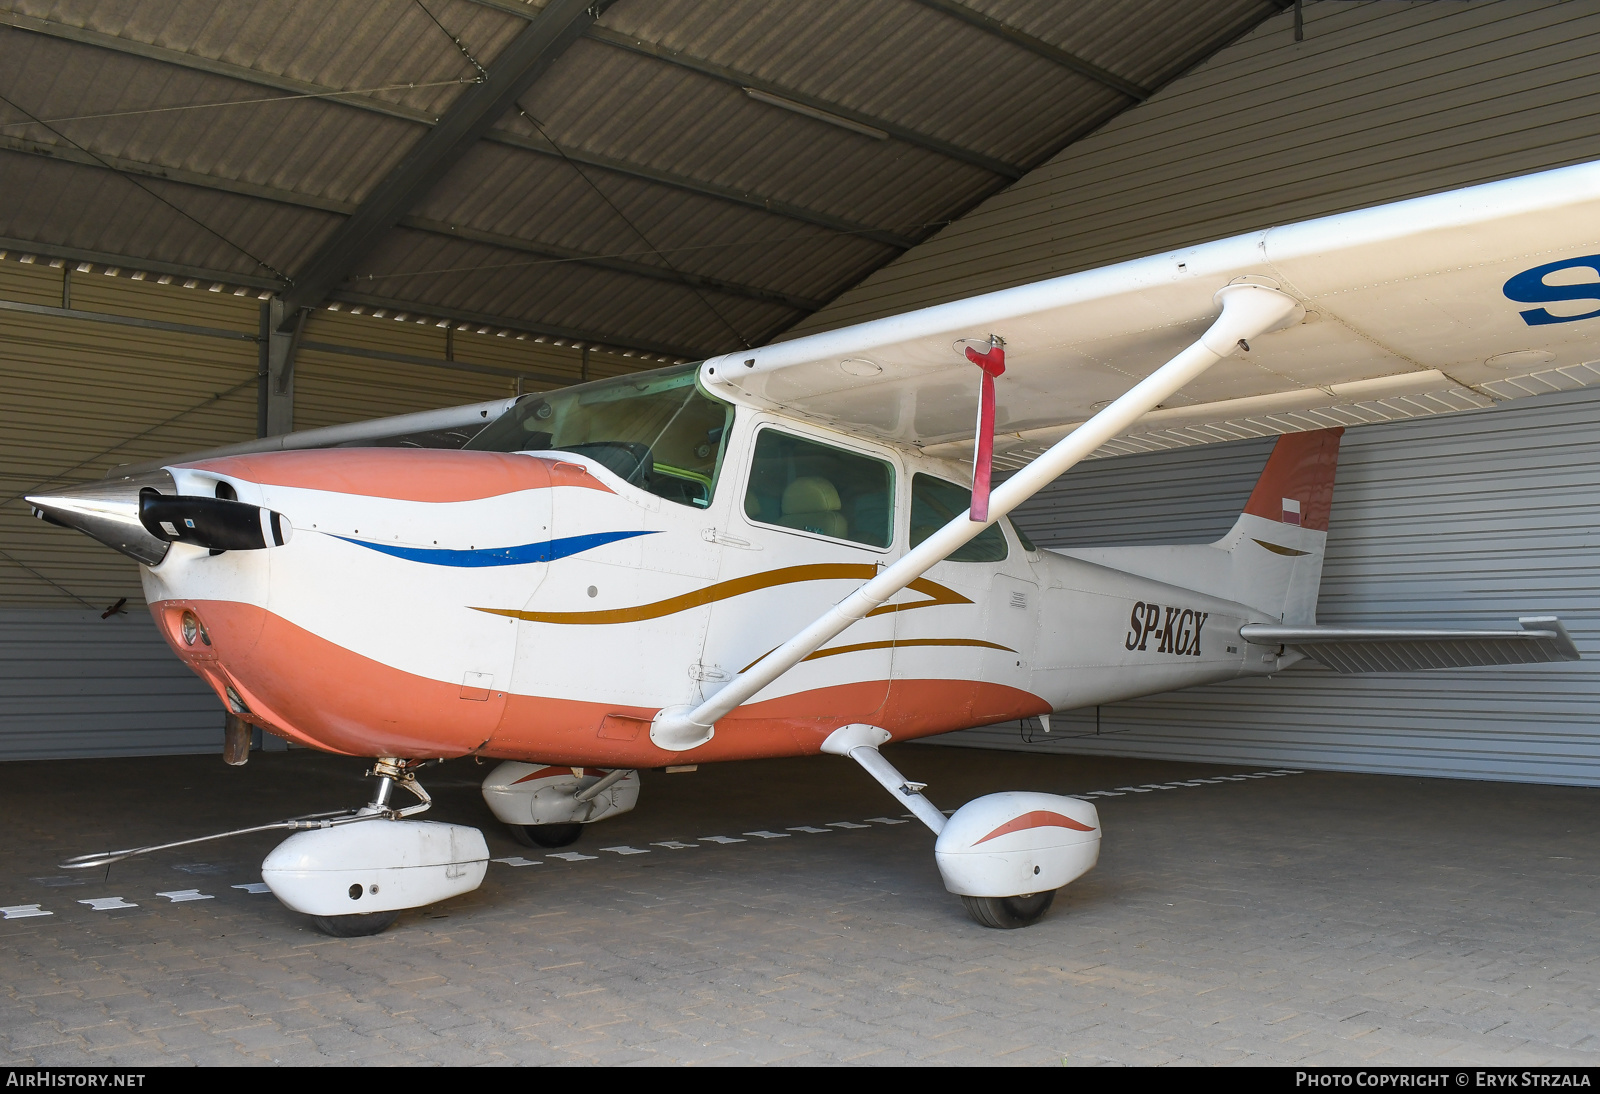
<point>527,553</point>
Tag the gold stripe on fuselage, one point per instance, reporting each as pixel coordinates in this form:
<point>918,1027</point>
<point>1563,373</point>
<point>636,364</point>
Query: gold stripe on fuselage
<point>789,575</point>
<point>861,647</point>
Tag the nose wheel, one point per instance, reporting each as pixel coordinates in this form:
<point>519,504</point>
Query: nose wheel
<point>1008,912</point>
<point>354,926</point>
<point>545,835</point>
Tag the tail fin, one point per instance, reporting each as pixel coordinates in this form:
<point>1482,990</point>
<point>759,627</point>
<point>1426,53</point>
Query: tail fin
<point>1279,541</point>
<point>1272,558</point>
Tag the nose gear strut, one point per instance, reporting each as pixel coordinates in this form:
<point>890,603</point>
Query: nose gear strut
<point>390,772</point>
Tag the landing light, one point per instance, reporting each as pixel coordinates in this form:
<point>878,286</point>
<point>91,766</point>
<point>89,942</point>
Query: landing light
<point>192,630</point>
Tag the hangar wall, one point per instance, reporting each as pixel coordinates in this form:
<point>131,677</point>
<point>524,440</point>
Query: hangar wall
<point>1464,520</point>
<point>81,392</point>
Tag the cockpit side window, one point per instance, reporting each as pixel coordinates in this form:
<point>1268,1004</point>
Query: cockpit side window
<point>657,430</point>
<point>812,487</point>
<point>935,503</point>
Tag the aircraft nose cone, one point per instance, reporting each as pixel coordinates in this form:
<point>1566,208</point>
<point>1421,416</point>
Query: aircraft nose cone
<point>109,512</point>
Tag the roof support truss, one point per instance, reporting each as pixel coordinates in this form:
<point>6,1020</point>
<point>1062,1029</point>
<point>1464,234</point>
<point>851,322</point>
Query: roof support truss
<point>904,134</point>
<point>410,309</point>
<point>891,238</point>
<point>305,201</point>
<point>1071,61</point>
<point>558,24</point>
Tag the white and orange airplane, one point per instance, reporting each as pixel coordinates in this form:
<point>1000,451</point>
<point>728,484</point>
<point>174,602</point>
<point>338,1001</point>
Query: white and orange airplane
<point>780,552</point>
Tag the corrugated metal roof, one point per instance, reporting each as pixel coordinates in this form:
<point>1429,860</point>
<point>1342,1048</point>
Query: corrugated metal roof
<point>272,122</point>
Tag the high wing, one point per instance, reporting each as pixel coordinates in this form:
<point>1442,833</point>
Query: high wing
<point>1435,304</point>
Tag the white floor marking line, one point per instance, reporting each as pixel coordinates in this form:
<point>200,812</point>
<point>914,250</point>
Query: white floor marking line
<point>23,911</point>
<point>178,896</point>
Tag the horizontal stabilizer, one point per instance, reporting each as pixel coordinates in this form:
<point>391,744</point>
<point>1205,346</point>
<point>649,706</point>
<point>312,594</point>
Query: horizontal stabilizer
<point>1368,649</point>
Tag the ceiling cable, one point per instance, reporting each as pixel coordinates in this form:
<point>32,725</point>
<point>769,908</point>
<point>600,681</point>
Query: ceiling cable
<point>812,237</point>
<point>265,265</point>
<point>483,73</point>
<point>654,250</point>
<point>240,102</point>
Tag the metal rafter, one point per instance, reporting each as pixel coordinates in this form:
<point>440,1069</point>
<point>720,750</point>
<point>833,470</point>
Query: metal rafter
<point>149,265</point>
<point>524,60</point>
<point>902,133</point>
<point>990,25</point>
<point>255,78</point>
<point>13,246</point>
<point>421,224</point>
<point>570,334</point>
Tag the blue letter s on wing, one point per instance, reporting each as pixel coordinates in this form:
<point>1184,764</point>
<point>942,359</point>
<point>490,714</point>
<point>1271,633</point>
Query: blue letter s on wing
<point>1528,287</point>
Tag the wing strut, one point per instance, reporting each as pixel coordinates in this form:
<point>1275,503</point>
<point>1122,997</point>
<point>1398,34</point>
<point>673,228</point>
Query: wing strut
<point>1247,311</point>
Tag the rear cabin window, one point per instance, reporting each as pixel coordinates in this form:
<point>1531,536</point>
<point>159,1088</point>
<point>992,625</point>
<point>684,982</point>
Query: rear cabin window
<point>811,487</point>
<point>935,503</point>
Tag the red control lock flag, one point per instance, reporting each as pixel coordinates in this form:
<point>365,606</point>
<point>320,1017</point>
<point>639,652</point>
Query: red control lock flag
<point>993,363</point>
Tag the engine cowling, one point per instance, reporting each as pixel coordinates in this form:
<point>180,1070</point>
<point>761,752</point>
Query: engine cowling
<point>375,866</point>
<point>522,793</point>
<point>1017,842</point>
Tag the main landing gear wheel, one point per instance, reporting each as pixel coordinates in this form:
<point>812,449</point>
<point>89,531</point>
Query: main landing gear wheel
<point>355,926</point>
<point>546,835</point>
<point>1009,912</point>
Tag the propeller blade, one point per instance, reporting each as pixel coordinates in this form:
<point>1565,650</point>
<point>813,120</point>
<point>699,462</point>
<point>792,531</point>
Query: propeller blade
<point>215,523</point>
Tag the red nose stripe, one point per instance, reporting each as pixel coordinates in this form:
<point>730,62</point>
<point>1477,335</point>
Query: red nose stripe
<point>404,474</point>
<point>1039,818</point>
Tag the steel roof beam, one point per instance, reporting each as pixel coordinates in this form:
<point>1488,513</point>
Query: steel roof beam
<point>1071,61</point>
<point>902,133</point>
<point>617,265</point>
<point>729,194</point>
<point>548,330</point>
<point>432,227</point>
<point>528,56</point>
<point>14,246</point>
<point>11,246</point>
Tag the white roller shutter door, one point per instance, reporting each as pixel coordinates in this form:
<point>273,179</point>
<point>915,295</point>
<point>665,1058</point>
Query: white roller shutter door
<point>1457,521</point>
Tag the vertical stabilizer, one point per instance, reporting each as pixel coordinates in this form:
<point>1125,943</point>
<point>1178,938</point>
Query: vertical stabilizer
<point>1271,559</point>
<point>1279,541</point>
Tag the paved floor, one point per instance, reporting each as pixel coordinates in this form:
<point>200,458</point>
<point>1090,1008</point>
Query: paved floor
<point>1290,918</point>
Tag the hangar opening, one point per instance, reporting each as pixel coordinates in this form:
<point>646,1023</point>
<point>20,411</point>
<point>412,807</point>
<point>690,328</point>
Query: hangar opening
<point>699,404</point>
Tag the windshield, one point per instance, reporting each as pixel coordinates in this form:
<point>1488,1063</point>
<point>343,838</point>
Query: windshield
<point>656,430</point>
